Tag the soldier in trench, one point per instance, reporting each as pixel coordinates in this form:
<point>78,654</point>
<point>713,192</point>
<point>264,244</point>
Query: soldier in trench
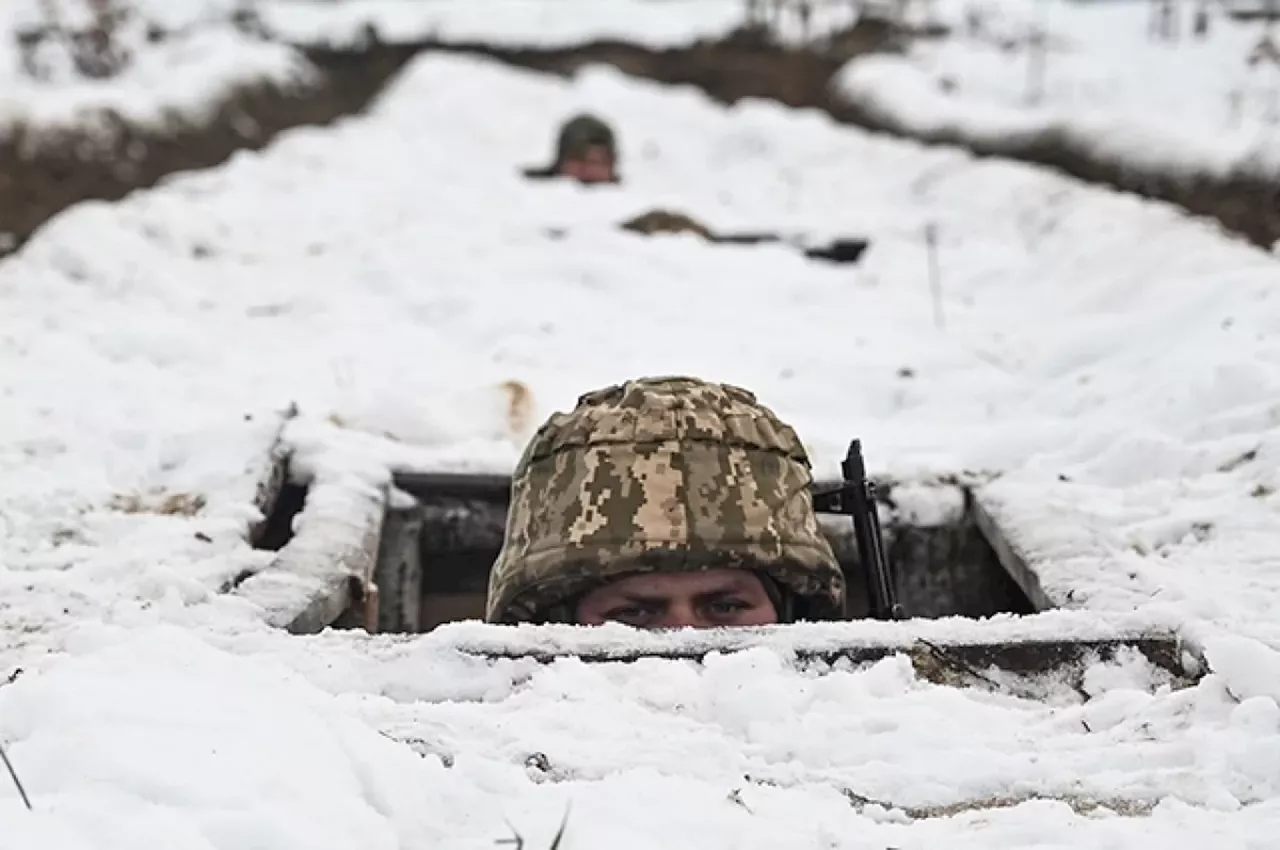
<point>664,503</point>
<point>587,151</point>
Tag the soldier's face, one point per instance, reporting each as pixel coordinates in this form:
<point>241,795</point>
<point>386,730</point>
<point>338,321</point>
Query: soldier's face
<point>702,600</point>
<point>594,166</point>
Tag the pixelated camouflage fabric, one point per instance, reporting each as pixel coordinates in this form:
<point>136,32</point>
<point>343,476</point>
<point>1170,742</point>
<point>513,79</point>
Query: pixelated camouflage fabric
<point>660,474</point>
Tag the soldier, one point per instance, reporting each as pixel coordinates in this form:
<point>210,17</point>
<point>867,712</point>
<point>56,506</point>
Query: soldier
<point>664,503</point>
<point>586,150</point>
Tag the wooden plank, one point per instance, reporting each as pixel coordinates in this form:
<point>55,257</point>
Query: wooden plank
<point>431,486</point>
<point>1015,564</point>
<point>442,608</point>
<point>327,569</point>
<point>398,571</point>
<point>1026,644</point>
<point>1028,657</point>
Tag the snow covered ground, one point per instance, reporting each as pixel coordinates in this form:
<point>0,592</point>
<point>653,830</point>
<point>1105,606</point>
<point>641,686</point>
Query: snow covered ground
<point>1188,105</point>
<point>158,738</point>
<point>656,23</point>
<point>1116,360</point>
<point>205,57</point>
<point>184,76</point>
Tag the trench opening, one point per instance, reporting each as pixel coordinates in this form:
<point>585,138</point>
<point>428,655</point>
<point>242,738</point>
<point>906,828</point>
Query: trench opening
<point>750,63</point>
<point>438,546</point>
<point>51,170</point>
<point>277,529</point>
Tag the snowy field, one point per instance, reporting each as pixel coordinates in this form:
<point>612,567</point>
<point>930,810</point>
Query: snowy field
<point>1189,104</point>
<point>184,76</point>
<point>655,23</point>
<point>1117,361</point>
<point>205,57</point>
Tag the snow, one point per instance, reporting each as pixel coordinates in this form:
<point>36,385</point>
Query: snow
<point>927,505</point>
<point>1058,359</point>
<point>334,538</point>
<point>215,745</point>
<point>655,23</point>
<point>205,58</point>
<point>1187,106</point>
<point>183,78</point>
<point>1114,361</point>
<point>158,736</point>
<point>806,639</point>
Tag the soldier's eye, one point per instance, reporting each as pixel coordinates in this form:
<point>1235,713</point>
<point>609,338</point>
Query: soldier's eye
<point>631,614</point>
<point>727,607</point>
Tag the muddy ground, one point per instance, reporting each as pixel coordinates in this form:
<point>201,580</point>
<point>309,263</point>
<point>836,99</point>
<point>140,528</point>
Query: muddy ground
<point>35,187</point>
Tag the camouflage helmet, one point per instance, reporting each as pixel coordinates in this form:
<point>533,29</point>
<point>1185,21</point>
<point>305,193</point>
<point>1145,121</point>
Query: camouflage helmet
<point>666,474</point>
<point>582,132</point>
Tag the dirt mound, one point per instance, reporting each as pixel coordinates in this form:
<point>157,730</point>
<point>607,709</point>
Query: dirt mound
<point>1245,204</point>
<point>38,181</point>
<point>748,64</point>
<point>43,172</point>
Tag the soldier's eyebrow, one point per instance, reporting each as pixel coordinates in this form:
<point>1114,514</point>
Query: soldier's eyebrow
<point>734,589</point>
<point>735,586</point>
<point>636,598</point>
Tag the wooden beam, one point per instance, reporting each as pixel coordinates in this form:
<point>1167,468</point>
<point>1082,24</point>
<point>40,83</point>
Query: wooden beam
<point>327,569</point>
<point>1027,657</point>
<point>1014,563</point>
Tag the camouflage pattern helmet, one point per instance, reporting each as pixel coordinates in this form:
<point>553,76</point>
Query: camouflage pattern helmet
<point>666,474</point>
<point>581,133</point>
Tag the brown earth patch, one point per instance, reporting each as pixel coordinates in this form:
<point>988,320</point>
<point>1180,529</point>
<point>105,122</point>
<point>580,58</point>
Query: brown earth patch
<point>39,181</point>
<point>44,171</point>
<point>748,65</point>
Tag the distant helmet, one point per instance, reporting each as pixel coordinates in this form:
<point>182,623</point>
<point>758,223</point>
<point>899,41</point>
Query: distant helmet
<point>581,133</point>
<point>666,474</point>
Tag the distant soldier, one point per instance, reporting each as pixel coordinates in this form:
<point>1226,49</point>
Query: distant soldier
<point>664,503</point>
<point>586,150</point>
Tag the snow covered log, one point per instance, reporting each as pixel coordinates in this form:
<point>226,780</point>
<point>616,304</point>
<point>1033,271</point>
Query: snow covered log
<point>1052,642</point>
<point>324,575</point>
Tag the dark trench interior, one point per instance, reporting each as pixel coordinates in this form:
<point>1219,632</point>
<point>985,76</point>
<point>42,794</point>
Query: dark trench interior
<point>436,548</point>
<point>435,555</point>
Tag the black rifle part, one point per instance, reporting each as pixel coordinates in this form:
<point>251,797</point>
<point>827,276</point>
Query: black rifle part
<point>856,498</point>
<point>845,250</point>
<point>866,530</point>
<point>840,251</point>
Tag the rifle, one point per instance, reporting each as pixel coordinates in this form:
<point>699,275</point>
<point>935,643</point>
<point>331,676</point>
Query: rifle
<point>846,249</point>
<point>856,498</point>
